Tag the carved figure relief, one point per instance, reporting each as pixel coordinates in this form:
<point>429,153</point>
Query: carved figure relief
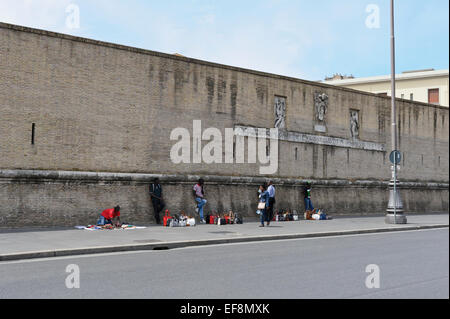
<point>280,112</point>
<point>321,106</point>
<point>354,123</point>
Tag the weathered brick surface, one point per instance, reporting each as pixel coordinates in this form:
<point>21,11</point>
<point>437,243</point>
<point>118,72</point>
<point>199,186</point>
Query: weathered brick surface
<point>108,108</point>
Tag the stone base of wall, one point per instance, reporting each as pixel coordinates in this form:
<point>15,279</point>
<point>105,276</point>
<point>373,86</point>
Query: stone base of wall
<point>57,198</point>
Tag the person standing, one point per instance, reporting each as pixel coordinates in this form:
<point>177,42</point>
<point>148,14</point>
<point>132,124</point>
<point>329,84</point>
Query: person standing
<point>307,193</point>
<point>263,203</point>
<point>156,195</point>
<point>199,195</point>
<point>271,191</point>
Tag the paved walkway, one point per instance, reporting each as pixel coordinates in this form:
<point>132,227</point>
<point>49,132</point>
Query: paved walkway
<point>50,243</point>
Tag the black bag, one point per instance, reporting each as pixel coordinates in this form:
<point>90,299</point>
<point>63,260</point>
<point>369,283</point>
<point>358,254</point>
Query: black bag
<point>238,219</point>
<point>207,218</point>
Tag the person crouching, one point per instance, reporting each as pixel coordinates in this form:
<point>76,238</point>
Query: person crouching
<point>110,217</point>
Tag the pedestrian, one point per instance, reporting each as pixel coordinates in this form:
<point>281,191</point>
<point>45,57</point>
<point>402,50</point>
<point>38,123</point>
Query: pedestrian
<point>263,203</point>
<point>307,193</point>
<point>272,201</point>
<point>108,216</point>
<point>199,196</point>
<point>156,195</point>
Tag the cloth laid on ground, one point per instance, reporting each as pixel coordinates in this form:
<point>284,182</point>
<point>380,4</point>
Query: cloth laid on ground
<point>109,227</point>
<point>317,214</point>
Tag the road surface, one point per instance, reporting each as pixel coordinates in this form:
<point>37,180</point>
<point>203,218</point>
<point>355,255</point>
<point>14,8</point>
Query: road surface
<point>411,265</point>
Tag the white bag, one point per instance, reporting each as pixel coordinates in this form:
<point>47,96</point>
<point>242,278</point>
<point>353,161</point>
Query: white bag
<point>258,212</point>
<point>316,216</point>
<point>191,222</point>
<point>295,217</point>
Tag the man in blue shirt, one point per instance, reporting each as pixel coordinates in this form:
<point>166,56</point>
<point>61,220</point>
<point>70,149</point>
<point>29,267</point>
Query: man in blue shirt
<point>271,191</point>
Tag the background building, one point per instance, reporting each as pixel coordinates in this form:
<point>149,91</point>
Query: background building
<point>427,86</point>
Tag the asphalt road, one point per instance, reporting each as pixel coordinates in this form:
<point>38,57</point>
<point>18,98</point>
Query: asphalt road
<point>412,265</point>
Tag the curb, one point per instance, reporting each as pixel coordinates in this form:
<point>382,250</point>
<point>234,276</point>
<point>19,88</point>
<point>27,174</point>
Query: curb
<point>203,242</point>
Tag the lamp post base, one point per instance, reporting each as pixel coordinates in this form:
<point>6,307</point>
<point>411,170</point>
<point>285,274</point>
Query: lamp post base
<point>396,219</point>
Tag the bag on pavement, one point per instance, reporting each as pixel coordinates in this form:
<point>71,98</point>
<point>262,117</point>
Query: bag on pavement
<point>166,218</point>
<point>190,222</point>
<point>238,219</point>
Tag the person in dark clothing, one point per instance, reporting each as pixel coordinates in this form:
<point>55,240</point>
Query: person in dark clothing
<point>263,198</point>
<point>307,193</point>
<point>156,195</point>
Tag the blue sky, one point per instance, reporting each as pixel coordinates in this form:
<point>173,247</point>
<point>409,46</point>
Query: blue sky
<point>300,38</point>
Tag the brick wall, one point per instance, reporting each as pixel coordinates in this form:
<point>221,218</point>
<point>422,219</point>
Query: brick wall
<point>100,107</point>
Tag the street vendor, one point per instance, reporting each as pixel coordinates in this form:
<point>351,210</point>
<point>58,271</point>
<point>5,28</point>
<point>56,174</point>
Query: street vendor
<point>110,216</point>
<point>307,193</point>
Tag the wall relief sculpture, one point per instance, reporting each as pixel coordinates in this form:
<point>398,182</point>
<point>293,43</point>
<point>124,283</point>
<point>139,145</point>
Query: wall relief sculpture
<point>321,109</point>
<point>321,105</point>
<point>354,123</point>
<point>280,112</point>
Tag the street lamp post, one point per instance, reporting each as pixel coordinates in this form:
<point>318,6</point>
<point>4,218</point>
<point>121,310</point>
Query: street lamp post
<point>395,207</point>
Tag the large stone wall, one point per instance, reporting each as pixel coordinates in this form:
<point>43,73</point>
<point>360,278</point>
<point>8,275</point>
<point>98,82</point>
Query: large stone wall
<point>100,107</point>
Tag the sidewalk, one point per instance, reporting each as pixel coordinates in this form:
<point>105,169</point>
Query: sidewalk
<point>15,245</point>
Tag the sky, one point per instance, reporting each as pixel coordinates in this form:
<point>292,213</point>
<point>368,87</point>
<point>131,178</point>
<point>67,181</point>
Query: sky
<point>299,38</point>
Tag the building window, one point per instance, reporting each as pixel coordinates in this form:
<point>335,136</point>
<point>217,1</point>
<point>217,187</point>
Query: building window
<point>33,129</point>
<point>433,96</point>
